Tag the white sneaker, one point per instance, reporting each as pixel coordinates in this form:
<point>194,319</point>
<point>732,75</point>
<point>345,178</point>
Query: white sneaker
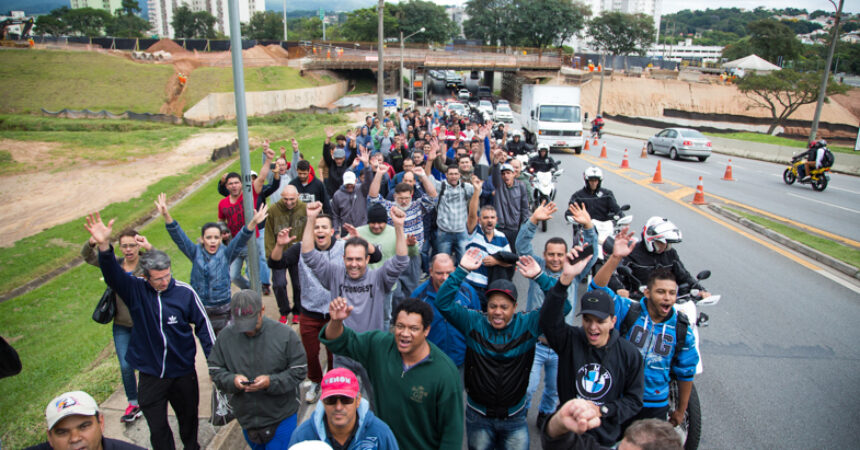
<point>313,391</point>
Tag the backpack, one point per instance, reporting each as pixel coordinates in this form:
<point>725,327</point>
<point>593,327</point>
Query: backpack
<point>828,158</point>
<point>680,327</point>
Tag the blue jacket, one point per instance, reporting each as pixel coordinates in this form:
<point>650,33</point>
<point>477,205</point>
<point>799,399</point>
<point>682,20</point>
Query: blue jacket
<point>162,344</point>
<point>442,333</point>
<point>210,274</point>
<point>656,343</point>
<point>372,433</point>
<point>524,247</point>
<point>498,362</point>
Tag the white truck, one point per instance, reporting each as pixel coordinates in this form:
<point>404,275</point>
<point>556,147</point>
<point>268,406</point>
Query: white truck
<point>552,116</point>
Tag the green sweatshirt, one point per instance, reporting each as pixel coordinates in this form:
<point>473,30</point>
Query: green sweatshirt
<point>424,405</point>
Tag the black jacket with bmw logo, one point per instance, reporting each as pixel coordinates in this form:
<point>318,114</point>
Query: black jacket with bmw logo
<point>610,376</point>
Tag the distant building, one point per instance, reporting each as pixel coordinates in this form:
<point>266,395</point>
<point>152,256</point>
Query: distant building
<point>686,51</point>
<point>14,29</point>
<point>161,13</point>
<point>652,8</point>
<point>108,5</point>
<point>458,15</point>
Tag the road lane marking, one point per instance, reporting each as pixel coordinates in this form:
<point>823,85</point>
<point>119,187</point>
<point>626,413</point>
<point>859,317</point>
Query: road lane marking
<point>680,193</point>
<point>824,203</point>
<point>844,283</point>
<point>843,190</point>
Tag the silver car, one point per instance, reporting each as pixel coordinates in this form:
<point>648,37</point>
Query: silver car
<point>678,142</point>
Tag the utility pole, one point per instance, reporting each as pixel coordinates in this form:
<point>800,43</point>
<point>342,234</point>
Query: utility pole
<point>834,37</point>
<point>285,20</point>
<point>380,71</point>
<point>602,72</point>
<point>401,62</point>
<point>242,124</point>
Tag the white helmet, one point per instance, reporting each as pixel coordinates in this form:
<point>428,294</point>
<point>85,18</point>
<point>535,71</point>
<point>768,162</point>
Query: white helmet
<point>543,147</point>
<point>517,133</point>
<point>592,172</point>
<point>660,229</point>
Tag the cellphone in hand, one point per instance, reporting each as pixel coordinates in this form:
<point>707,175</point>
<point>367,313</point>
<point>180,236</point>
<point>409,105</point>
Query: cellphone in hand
<point>586,251</point>
<point>246,382</point>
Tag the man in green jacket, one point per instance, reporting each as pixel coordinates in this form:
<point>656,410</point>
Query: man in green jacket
<point>416,387</point>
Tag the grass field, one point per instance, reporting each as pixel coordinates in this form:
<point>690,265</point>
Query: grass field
<point>775,140</point>
<point>204,80</point>
<point>34,79</point>
<point>59,344</point>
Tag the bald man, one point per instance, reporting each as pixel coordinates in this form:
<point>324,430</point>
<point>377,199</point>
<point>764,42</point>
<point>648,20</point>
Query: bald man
<point>289,212</point>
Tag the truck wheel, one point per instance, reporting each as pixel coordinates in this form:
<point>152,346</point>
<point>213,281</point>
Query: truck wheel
<point>577,150</point>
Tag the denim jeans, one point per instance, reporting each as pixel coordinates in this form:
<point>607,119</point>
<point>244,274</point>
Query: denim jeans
<point>453,244</point>
<point>242,257</point>
<point>121,339</point>
<point>282,436</point>
<point>265,272</point>
<point>546,361</point>
<point>484,433</point>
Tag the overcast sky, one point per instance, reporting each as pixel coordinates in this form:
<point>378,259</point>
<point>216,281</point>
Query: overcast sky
<point>671,6</point>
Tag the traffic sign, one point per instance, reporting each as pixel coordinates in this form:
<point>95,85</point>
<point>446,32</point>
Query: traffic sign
<point>322,14</point>
<point>389,102</point>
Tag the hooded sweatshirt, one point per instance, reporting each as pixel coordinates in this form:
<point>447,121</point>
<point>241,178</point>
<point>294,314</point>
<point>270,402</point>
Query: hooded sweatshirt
<point>512,203</point>
<point>611,375</point>
<point>366,294</point>
<point>350,207</point>
<point>371,434</point>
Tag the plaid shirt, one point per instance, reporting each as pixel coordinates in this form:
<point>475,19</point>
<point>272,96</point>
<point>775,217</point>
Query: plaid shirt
<point>452,211</point>
<point>414,223</point>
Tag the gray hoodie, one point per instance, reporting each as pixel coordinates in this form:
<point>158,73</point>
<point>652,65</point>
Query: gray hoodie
<point>349,207</point>
<point>366,294</point>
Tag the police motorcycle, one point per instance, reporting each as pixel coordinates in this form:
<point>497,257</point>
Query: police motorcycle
<point>543,188</point>
<point>606,230</point>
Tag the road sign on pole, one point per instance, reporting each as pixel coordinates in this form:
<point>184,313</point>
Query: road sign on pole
<point>389,103</point>
<point>322,14</point>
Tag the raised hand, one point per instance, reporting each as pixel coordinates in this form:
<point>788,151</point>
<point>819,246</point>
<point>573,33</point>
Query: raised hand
<point>545,211</point>
<point>270,154</point>
<point>579,213</point>
<point>339,309</point>
<point>578,416</point>
<point>99,231</point>
<point>295,144</point>
<point>265,144</point>
<point>572,270</point>
<point>260,215</point>
<point>313,210</point>
<point>161,205</point>
<point>350,230</point>
<point>411,240</point>
<point>477,183</point>
<point>419,172</point>
<point>284,237</point>
<point>363,156</point>
<point>329,132</point>
<point>398,216</point>
<point>624,243</point>
<point>143,242</point>
<point>528,267</point>
<point>472,260</point>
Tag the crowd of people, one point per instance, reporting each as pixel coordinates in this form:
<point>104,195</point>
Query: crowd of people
<point>396,255</point>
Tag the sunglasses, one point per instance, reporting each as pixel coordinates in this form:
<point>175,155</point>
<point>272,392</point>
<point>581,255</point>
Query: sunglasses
<point>331,401</point>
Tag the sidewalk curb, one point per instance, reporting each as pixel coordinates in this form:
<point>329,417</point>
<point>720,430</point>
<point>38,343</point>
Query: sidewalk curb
<point>825,259</point>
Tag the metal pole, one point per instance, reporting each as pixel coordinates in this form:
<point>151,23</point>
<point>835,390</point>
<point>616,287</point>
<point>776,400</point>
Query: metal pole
<point>285,20</point>
<point>380,67</point>
<point>602,72</point>
<point>323,21</point>
<point>400,74</point>
<point>813,130</point>
<point>242,124</point>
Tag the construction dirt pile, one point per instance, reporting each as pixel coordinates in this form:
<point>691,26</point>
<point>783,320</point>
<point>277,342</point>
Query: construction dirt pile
<point>277,51</point>
<point>647,97</point>
<point>850,100</point>
<point>169,46</point>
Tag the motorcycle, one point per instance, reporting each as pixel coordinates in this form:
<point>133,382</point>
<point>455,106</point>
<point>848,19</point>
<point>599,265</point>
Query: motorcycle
<point>523,158</point>
<point>543,189</point>
<point>818,178</point>
<point>687,302</point>
<point>597,131</point>
<point>606,230</point>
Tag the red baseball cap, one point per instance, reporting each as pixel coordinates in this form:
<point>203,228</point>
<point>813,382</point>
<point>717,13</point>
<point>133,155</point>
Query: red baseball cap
<point>339,381</point>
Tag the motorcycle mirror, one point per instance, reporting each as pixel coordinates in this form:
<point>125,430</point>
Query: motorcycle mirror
<point>559,172</point>
<point>625,207</point>
<point>712,300</point>
<point>703,275</point>
<point>569,219</point>
<point>626,220</point>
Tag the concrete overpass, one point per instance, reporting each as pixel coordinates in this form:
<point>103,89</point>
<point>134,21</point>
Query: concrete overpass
<point>422,59</point>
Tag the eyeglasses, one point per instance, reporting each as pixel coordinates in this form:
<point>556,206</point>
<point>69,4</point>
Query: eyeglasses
<point>129,245</point>
<point>331,401</point>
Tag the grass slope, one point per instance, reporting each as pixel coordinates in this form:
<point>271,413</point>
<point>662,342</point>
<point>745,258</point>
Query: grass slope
<point>60,346</point>
<point>775,140</point>
<point>204,80</point>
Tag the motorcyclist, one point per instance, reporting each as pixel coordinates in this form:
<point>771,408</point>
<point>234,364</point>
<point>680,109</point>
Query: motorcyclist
<point>599,202</point>
<point>654,251</point>
<point>814,159</point>
<point>499,131</point>
<point>597,124</point>
<point>517,145</point>
<point>542,162</point>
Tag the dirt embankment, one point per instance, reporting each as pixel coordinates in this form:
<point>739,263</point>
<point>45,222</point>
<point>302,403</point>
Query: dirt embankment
<point>34,202</point>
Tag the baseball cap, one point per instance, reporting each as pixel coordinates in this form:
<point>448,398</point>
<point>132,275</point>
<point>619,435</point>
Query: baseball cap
<point>507,166</point>
<point>338,153</point>
<point>254,173</point>
<point>597,303</point>
<point>75,403</point>
<point>349,178</point>
<point>245,307</point>
<point>339,382</point>
<point>503,286</point>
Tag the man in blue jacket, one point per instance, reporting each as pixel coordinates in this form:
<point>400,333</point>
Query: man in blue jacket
<point>162,345</point>
<point>655,335</point>
<point>343,419</point>
<point>442,333</point>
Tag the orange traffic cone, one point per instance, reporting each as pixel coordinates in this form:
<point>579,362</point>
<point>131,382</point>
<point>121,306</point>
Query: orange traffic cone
<point>624,163</point>
<point>644,151</point>
<point>595,141</point>
<point>728,175</point>
<point>603,151</point>
<point>699,198</point>
<point>586,145</point>
<point>658,175</point>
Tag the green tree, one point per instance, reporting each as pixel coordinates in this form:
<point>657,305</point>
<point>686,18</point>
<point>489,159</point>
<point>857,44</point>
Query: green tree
<point>781,92</point>
<point>738,49</point>
<point>721,38</point>
<point>126,23</point>
<point>619,33</point>
<point>414,14</point>
<point>771,39</point>
<point>491,21</point>
<point>130,7</point>
<point>801,26</point>
<point>264,25</point>
<point>190,24</point>
<point>87,21</point>
<point>541,23</point>
<point>52,23</point>
<point>361,25</point>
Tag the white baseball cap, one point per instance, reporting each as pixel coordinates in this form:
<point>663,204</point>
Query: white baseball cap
<point>349,177</point>
<point>75,403</point>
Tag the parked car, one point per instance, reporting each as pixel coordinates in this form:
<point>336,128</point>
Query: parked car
<point>502,101</point>
<point>503,114</point>
<point>453,79</point>
<point>680,142</point>
<point>464,95</point>
<point>484,93</point>
<point>485,106</point>
<point>458,108</point>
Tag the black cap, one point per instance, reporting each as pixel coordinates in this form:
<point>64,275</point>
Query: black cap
<point>503,286</point>
<point>597,303</point>
<point>377,214</point>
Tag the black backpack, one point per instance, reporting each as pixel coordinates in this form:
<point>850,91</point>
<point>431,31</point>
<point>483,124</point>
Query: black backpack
<point>828,159</point>
<point>680,328</point>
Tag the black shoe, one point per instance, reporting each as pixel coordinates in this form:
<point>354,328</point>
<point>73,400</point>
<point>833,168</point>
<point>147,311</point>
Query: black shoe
<point>266,290</point>
<point>541,418</point>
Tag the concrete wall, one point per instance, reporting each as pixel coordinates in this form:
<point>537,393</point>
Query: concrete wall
<point>222,104</point>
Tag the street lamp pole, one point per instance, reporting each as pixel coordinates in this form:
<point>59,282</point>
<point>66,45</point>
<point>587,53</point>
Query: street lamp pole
<point>402,39</point>
<point>380,71</point>
<point>813,129</point>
